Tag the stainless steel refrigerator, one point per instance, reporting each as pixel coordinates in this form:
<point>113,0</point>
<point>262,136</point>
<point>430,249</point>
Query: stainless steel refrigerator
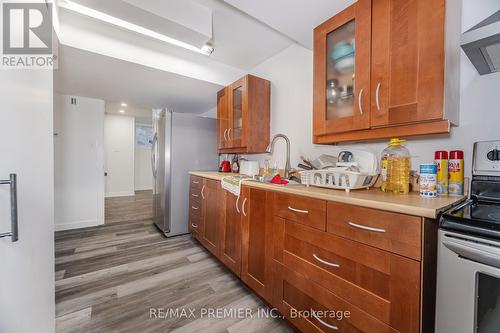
<point>181,143</point>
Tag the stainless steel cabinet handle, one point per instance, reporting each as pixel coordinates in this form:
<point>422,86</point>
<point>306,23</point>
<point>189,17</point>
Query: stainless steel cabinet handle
<point>377,96</point>
<point>298,210</point>
<point>195,195</point>
<point>202,192</point>
<point>360,101</point>
<point>243,207</point>
<point>195,208</point>
<point>238,208</point>
<point>331,264</point>
<point>364,227</point>
<point>195,182</point>
<point>322,322</point>
<point>225,132</point>
<point>12,182</point>
<point>194,225</point>
<point>229,133</point>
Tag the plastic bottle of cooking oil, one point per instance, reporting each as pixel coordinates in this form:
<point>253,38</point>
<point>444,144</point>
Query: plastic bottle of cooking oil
<point>396,168</point>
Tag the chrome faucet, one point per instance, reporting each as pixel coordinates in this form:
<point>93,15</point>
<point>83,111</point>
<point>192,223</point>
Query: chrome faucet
<point>270,150</point>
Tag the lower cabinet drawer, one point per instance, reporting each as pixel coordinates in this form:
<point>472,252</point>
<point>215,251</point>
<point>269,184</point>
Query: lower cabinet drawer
<point>307,211</point>
<point>312,308</point>
<point>380,283</point>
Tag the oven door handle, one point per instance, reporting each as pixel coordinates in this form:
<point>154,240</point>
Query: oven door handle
<point>484,254</point>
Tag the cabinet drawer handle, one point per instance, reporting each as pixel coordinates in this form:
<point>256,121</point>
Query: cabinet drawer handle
<point>194,225</point>
<point>243,207</point>
<point>377,96</point>
<point>360,101</point>
<point>364,227</point>
<point>322,322</point>
<point>298,210</point>
<point>225,132</point>
<point>195,208</point>
<point>325,262</point>
<point>195,182</point>
<point>202,192</point>
<point>237,201</point>
<point>195,195</point>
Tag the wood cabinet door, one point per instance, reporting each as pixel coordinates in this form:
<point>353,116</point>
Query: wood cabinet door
<point>407,61</point>
<point>222,118</point>
<point>210,215</point>
<point>342,48</point>
<point>257,241</point>
<point>230,234</point>
<point>238,108</point>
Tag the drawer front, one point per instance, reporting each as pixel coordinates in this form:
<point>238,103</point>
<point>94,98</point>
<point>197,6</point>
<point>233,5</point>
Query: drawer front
<point>195,182</point>
<point>378,282</point>
<point>314,309</point>
<point>392,232</point>
<point>311,212</point>
<point>195,216</point>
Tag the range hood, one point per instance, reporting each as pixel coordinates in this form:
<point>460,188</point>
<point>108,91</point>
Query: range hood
<point>481,43</point>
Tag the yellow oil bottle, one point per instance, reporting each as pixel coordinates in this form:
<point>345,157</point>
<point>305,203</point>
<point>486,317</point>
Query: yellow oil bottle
<point>395,167</point>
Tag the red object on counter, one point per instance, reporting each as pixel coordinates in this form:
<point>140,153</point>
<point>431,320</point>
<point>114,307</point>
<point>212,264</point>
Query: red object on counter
<point>456,155</point>
<point>278,180</point>
<point>441,155</point>
<point>225,166</point>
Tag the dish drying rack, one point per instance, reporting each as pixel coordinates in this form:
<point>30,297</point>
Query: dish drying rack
<point>355,170</point>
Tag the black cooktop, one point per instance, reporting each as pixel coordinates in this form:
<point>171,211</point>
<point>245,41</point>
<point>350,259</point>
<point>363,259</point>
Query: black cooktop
<point>474,217</point>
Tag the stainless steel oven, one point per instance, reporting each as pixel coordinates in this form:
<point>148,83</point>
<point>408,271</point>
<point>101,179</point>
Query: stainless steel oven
<point>468,290</point>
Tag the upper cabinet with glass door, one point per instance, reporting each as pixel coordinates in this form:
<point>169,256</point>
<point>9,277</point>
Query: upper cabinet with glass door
<point>379,70</point>
<point>243,115</point>
<point>342,71</point>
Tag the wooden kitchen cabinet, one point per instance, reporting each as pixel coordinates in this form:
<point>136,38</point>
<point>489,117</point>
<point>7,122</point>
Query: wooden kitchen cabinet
<point>211,197</point>
<point>257,241</point>
<point>230,233</point>
<point>341,71</point>
<point>406,76</point>
<point>195,206</point>
<point>243,116</point>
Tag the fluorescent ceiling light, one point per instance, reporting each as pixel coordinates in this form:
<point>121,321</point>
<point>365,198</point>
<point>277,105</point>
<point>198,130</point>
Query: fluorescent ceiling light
<point>124,105</point>
<point>122,111</point>
<point>75,7</point>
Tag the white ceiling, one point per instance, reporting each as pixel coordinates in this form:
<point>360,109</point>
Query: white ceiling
<point>294,18</point>
<point>93,75</point>
<point>141,115</point>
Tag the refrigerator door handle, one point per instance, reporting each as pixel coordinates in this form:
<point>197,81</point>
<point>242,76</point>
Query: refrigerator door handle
<point>153,155</point>
<point>12,182</point>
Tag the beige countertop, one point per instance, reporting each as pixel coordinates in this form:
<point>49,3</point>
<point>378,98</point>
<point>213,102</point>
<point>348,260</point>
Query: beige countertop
<point>411,204</point>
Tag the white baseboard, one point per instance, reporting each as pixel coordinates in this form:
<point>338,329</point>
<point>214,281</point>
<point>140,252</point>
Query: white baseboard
<point>119,194</point>
<point>76,225</point>
<point>144,188</point>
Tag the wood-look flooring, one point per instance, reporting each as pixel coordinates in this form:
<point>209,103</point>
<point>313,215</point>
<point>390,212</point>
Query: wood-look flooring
<point>130,208</point>
<point>113,277</point>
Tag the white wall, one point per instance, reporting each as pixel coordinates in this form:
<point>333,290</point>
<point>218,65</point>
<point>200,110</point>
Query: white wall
<point>119,151</point>
<point>26,148</point>
<point>143,171</point>
<point>79,162</point>
<point>291,103</point>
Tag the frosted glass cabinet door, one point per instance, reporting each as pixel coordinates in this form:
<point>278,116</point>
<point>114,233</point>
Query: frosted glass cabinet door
<point>342,71</point>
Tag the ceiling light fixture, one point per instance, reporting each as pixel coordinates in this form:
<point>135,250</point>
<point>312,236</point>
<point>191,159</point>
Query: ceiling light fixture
<point>122,111</point>
<point>124,105</point>
<point>75,7</point>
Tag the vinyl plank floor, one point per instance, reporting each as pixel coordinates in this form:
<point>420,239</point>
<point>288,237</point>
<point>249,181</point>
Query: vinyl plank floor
<point>120,276</point>
<point>129,208</point>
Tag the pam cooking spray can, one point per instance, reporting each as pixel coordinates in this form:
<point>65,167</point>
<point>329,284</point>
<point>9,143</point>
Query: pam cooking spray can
<point>456,173</point>
<point>441,160</point>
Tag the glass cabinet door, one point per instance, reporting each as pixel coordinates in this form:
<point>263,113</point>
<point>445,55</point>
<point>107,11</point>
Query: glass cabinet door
<point>342,71</point>
<point>237,119</point>
<point>340,74</point>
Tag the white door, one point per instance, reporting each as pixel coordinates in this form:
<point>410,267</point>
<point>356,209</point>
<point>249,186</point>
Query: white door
<point>26,149</point>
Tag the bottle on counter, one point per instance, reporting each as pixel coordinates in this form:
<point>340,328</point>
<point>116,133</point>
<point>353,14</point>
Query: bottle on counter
<point>456,173</point>
<point>395,167</point>
<point>441,160</point>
